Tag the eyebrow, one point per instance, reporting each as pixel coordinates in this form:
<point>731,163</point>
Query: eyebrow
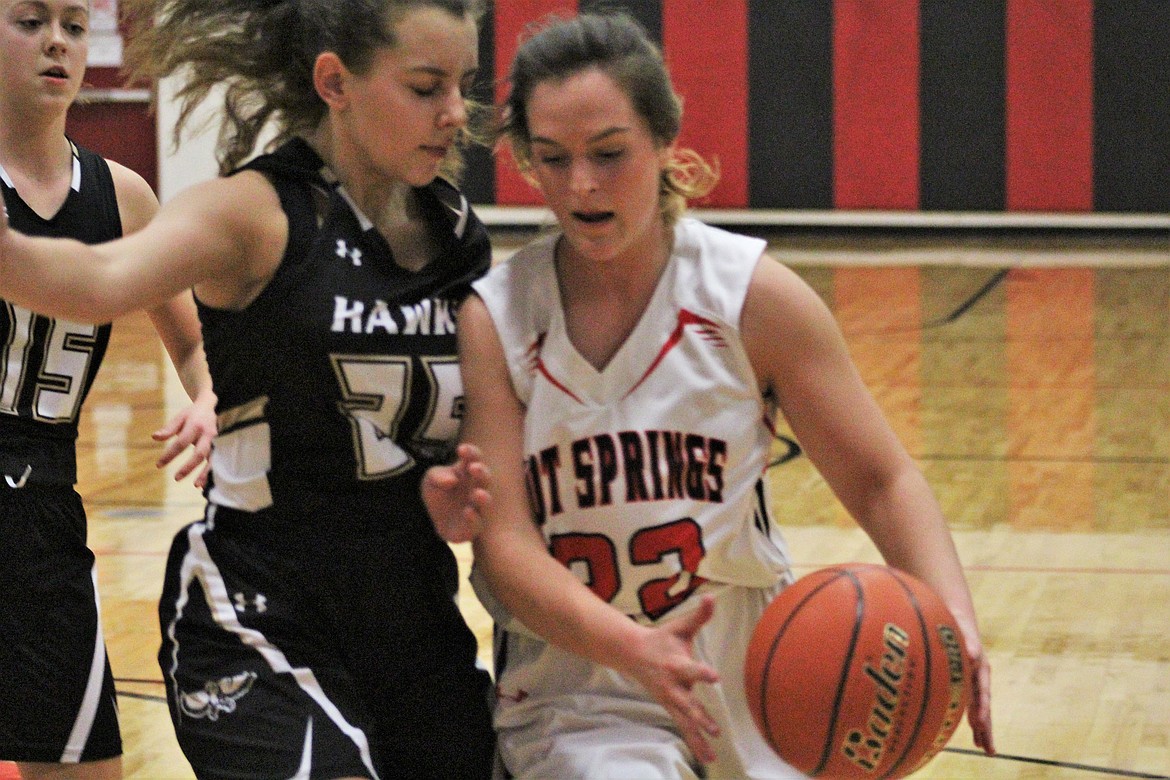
<point>433,70</point>
<point>40,5</point>
<point>604,134</point>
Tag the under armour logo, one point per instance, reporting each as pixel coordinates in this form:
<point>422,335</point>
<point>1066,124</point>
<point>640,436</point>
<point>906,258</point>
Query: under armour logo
<point>218,697</point>
<point>259,602</point>
<point>344,251</point>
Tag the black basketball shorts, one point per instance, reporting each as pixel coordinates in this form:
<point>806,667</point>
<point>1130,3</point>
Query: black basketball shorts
<point>57,700</point>
<point>284,659</point>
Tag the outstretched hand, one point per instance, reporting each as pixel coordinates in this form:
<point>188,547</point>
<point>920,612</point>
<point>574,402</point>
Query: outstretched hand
<point>457,495</point>
<point>667,668</point>
<point>193,427</point>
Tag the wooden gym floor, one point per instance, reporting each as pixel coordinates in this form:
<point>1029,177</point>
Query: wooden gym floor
<point>1030,377</point>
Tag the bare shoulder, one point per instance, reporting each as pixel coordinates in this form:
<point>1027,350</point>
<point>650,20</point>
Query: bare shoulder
<point>137,203</point>
<point>244,202</point>
<point>239,218</point>
<point>784,321</point>
<point>778,296</point>
<point>225,235</point>
<point>239,213</point>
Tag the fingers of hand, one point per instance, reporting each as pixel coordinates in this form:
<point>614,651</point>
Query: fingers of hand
<point>980,712</point>
<point>695,725</point>
<point>442,477</point>
<point>170,452</point>
<point>188,467</point>
<point>699,746</point>
<point>689,625</point>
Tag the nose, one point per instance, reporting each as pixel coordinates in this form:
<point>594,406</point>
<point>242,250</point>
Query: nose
<point>57,41</point>
<point>454,111</point>
<point>582,178</point>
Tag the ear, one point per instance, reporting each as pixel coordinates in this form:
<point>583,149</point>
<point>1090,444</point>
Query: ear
<point>329,80</point>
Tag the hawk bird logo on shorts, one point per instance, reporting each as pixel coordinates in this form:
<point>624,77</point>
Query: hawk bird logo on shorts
<point>218,697</point>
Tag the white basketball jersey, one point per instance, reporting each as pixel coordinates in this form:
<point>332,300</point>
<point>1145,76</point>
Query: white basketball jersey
<point>647,477</point>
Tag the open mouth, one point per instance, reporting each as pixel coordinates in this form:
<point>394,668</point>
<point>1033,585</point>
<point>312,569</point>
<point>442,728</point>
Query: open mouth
<point>592,217</point>
<point>56,72</point>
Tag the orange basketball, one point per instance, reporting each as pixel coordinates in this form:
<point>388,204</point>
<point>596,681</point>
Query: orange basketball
<point>857,671</point>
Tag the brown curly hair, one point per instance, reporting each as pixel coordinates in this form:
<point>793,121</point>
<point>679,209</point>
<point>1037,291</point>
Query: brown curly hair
<point>262,53</point>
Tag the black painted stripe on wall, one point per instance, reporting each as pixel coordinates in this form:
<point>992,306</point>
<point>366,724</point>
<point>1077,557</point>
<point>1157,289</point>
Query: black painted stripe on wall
<point>790,104</point>
<point>1131,112</point>
<point>479,174</point>
<point>647,13</point>
<point>961,167</point>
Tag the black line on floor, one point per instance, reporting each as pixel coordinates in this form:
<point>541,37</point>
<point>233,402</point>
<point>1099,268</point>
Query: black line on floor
<point>1062,764</point>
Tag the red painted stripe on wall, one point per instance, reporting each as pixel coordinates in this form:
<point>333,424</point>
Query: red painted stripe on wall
<point>1049,113</point>
<point>875,104</point>
<point>510,20</point>
<point>707,54</point>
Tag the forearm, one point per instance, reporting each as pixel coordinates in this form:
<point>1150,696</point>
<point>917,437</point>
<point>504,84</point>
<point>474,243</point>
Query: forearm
<point>907,526</point>
<point>550,601</point>
<point>196,380</point>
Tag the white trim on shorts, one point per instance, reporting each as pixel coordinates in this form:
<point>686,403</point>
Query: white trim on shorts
<point>197,563</point>
<point>83,725</point>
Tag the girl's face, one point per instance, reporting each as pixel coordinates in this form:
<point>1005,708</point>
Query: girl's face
<point>404,115</point>
<point>43,49</point>
<point>598,165</point>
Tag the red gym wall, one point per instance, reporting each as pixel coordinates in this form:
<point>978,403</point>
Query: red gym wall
<point>997,105</point>
<point>108,117</point>
<point>929,105</point>
<point>116,122</point>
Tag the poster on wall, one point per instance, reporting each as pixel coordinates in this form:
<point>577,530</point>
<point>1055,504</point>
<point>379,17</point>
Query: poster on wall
<point>105,41</point>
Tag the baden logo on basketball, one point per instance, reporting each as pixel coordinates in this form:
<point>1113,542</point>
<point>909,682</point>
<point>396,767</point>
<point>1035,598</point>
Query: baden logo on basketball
<point>865,747</point>
<point>857,671</point>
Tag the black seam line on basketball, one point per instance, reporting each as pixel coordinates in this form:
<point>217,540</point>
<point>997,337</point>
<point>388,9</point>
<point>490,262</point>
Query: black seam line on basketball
<point>772,654</point>
<point>1061,764</point>
<point>858,616</point>
<point>927,659</point>
<point>142,696</point>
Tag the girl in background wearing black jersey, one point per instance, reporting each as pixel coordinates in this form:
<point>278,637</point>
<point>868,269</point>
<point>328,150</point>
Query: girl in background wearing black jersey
<point>58,715</point>
<point>309,620</point>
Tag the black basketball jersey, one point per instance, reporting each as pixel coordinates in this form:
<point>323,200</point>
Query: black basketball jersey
<point>339,385</point>
<point>48,365</point>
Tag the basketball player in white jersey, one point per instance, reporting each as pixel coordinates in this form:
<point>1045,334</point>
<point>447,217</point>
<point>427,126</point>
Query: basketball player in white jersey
<point>58,714</point>
<point>622,377</point>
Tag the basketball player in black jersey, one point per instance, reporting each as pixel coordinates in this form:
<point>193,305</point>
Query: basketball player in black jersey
<point>58,715</point>
<point>309,621</point>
